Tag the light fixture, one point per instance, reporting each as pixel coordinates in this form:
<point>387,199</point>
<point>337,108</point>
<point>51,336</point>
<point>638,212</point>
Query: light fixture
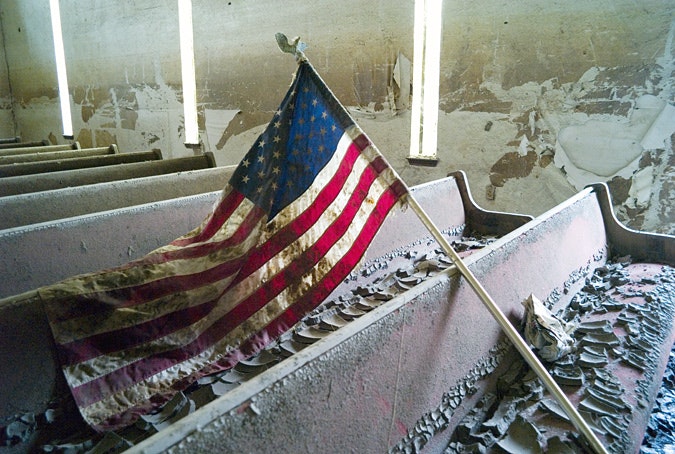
<point>426,75</point>
<point>61,75</point>
<point>187,59</point>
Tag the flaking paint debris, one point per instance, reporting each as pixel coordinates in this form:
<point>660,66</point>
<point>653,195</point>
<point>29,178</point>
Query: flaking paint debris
<point>635,300</point>
<point>378,281</point>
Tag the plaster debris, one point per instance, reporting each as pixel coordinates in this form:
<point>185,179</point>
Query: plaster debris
<point>660,436</point>
<point>522,148</point>
<point>545,332</point>
<point>377,284</point>
<point>402,77</point>
<point>661,128</point>
<point>612,387</point>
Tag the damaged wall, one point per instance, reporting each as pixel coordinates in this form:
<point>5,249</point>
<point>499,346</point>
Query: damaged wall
<point>124,65</point>
<point>6,116</point>
<point>32,74</point>
<point>520,82</point>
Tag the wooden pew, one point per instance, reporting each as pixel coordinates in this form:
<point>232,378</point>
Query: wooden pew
<point>38,148</point>
<point>14,143</point>
<point>24,184</point>
<point>54,155</point>
<point>36,207</point>
<point>73,163</point>
<point>9,140</point>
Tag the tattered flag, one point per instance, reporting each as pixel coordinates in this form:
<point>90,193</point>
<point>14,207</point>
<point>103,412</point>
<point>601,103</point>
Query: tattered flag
<point>292,223</point>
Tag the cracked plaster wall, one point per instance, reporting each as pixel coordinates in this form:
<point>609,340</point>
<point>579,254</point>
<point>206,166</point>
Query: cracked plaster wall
<point>6,118</point>
<point>514,77</point>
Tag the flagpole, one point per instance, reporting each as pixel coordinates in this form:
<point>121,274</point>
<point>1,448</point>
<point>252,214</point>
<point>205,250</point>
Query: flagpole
<point>296,48</point>
<point>513,335</point>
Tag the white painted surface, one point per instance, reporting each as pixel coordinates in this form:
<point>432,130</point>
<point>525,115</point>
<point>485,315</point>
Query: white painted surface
<point>600,149</point>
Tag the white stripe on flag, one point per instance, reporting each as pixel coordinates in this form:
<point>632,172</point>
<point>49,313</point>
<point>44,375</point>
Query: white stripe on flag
<point>107,363</point>
<point>275,307</point>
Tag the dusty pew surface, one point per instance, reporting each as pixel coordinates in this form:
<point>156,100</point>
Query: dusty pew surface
<point>16,143</point>
<point>377,382</point>
<point>53,155</point>
<point>44,253</point>
<point>24,184</point>
<point>379,376</point>
<point>37,148</point>
<point>79,162</point>
<point>101,240</point>
<point>37,207</point>
<point>76,245</point>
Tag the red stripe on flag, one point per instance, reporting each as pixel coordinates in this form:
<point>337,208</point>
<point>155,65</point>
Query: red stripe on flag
<point>113,341</point>
<point>218,218</point>
<point>79,350</point>
<point>379,164</point>
<point>291,232</point>
<point>119,379</point>
<point>362,142</point>
<point>86,305</point>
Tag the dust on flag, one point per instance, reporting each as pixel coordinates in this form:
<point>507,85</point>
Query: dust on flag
<point>294,220</point>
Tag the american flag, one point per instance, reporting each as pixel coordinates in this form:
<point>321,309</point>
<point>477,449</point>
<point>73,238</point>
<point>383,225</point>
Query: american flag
<point>294,220</point>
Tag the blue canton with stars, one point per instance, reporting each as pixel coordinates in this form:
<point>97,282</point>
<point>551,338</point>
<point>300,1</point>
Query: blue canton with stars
<point>295,146</point>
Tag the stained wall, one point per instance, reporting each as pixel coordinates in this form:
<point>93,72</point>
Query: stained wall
<point>514,77</point>
<point>7,125</point>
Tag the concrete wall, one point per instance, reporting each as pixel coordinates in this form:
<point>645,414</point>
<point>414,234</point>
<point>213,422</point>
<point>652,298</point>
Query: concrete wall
<point>6,118</point>
<point>514,75</point>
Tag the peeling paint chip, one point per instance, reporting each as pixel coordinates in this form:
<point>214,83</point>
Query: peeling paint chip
<point>490,192</point>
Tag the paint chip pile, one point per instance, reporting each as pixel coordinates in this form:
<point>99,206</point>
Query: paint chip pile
<point>63,430</point>
<point>660,436</point>
<point>623,316</point>
<point>620,315</point>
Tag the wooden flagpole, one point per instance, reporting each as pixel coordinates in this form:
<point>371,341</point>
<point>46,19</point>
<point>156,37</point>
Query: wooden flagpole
<point>296,48</point>
<point>511,332</point>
